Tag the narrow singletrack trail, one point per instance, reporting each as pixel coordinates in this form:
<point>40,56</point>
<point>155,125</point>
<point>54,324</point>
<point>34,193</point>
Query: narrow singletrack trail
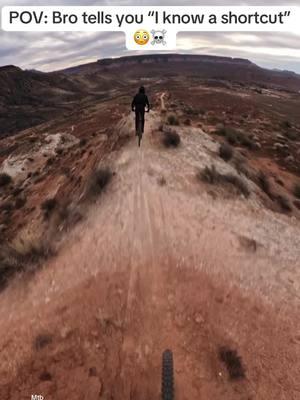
<point>156,265</point>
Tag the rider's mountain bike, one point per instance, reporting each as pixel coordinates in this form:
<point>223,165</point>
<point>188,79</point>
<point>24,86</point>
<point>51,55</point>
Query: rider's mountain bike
<point>167,382</point>
<point>139,131</point>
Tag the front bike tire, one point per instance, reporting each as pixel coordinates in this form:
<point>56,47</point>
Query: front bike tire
<point>140,138</point>
<point>167,383</point>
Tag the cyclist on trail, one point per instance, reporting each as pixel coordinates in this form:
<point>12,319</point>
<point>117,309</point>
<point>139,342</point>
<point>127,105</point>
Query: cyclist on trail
<point>139,103</point>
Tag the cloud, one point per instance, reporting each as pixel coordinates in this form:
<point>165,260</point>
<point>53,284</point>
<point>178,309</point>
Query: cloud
<point>48,51</point>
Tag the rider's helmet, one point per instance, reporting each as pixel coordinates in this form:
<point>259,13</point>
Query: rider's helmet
<point>142,89</point>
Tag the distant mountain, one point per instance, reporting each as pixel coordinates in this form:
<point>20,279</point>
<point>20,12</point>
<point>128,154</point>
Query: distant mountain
<point>203,66</point>
<point>29,98</point>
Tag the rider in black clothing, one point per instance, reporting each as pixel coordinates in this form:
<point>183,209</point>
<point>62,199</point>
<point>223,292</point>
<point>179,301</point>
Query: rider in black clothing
<point>139,102</point>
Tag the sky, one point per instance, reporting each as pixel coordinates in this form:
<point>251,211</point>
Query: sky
<point>49,51</point>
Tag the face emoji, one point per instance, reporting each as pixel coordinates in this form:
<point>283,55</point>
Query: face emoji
<point>141,37</point>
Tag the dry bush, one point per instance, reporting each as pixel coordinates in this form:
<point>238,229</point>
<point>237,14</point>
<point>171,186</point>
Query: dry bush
<point>17,190</point>
<point>66,216</point>
<point>171,139</point>
<point>82,142</point>
<point>5,179</point>
<point>50,161</point>
<point>20,201</point>
<point>246,141</point>
<point>237,182</point>
<point>220,130</point>
<point>226,152</point>
<point>235,137</point>
<point>187,122</point>
<point>233,363</point>
<point>7,206</point>
<point>20,254</point>
<point>172,120</point>
<point>212,176</point>
<point>264,184</point>
<point>292,135</point>
<point>209,175</point>
<point>97,182</point>
<point>286,124</point>
<point>193,111</point>
<point>162,181</point>
<point>284,203</point>
<point>42,340</point>
<point>231,136</point>
<point>297,204</point>
<point>296,190</point>
<point>48,206</point>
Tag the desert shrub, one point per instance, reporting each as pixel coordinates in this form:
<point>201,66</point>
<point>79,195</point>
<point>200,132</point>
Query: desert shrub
<point>171,139</point>
<point>296,190</point>
<point>67,216</point>
<point>237,182</point>
<point>48,206</point>
<point>17,191</point>
<point>20,201</point>
<point>50,161</point>
<point>284,203</point>
<point>172,120</point>
<point>98,181</point>
<point>7,206</point>
<point>286,124</point>
<point>162,181</point>
<point>5,179</point>
<point>192,111</point>
<point>231,136</point>
<point>42,340</point>
<point>264,184</point>
<point>187,122</point>
<point>297,204</point>
<point>45,376</point>
<point>66,171</point>
<point>234,136</point>
<point>20,254</point>
<point>220,130</point>
<point>59,150</point>
<point>226,152</point>
<point>292,135</point>
<point>209,174</point>
<point>246,141</point>
<point>212,176</point>
<point>82,142</point>
<point>161,128</point>
<point>233,363</point>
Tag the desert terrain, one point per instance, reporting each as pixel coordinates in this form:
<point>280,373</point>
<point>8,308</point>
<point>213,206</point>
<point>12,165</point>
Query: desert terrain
<point>111,253</point>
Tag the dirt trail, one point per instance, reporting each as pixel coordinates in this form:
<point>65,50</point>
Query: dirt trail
<point>162,102</point>
<point>158,264</point>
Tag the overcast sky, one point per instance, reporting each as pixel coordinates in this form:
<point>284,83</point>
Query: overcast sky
<point>57,50</point>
